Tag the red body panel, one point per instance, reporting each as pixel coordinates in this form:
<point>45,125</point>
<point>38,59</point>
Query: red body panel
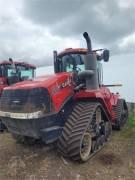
<point>103,95</point>
<point>61,87</point>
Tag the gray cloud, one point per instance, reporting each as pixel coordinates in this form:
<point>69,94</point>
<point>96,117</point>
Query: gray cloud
<point>105,20</point>
<point>51,12</point>
<point>31,30</point>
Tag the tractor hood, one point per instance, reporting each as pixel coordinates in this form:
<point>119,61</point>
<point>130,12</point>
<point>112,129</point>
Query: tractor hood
<point>46,81</point>
<point>37,97</point>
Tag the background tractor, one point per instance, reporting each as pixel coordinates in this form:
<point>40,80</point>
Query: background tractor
<point>12,72</point>
<point>71,107</point>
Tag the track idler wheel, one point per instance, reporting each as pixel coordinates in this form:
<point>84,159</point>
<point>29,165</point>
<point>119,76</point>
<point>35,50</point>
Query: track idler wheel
<point>86,146</point>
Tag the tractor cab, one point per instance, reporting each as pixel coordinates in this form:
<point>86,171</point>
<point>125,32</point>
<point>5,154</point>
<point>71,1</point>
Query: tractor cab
<point>73,61</point>
<point>12,72</point>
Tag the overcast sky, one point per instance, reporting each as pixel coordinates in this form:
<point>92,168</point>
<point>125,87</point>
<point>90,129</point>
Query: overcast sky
<point>31,29</point>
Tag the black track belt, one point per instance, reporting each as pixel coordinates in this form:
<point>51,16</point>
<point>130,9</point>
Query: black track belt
<point>75,126</point>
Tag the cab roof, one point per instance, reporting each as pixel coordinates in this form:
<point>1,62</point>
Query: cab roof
<point>74,50</point>
<point>5,62</point>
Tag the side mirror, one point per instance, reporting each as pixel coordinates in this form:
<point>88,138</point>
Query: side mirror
<point>106,55</point>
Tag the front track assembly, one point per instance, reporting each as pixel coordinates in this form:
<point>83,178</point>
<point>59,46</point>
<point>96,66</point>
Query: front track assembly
<point>85,132</point>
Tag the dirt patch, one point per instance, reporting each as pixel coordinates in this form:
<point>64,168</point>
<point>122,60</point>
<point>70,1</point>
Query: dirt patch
<point>116,161</point>
<point>110,159</point>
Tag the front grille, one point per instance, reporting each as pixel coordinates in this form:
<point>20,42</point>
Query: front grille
<point>26,100</point>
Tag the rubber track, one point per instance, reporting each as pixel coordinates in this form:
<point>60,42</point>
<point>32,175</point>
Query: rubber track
<point>118,111</point>
<point>75,126</point>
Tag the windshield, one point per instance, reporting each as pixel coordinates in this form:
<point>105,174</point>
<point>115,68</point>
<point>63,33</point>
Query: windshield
<point>27,74</point>
<point>72,62</point>
<point>23,72</point>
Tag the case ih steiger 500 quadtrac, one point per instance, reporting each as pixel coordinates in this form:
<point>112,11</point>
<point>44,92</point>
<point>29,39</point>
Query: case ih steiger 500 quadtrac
<point>12,72</point>
<point>72,107</point>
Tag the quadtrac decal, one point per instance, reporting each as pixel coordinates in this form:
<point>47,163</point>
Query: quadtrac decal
<point>64,84</point>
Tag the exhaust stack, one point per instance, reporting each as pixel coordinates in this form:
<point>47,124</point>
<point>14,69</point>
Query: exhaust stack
<point>88,41</point>
<point>90,66</point>
<point>56,65</point>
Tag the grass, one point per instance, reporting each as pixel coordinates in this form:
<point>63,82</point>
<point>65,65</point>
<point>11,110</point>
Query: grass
<point>129,130</point>
<point>131,121</point>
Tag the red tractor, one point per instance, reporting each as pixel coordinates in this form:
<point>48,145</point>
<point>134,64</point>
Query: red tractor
<point>71,107</point>
<point>12,72</point>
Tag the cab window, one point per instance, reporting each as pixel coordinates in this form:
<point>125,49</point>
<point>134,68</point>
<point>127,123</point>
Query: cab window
<point>27,74</point>
<point>72,62</point>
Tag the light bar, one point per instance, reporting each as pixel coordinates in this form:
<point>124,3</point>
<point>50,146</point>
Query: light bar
<point>33,115</point>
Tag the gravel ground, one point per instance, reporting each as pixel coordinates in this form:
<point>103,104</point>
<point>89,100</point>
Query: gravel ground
<point>39,162</point>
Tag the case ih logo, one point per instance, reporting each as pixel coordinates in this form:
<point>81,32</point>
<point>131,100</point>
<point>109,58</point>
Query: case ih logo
<point>66,83</point>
